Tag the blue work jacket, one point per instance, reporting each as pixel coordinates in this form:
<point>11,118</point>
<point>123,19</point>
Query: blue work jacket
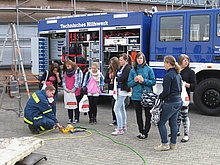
<point>37,107</point>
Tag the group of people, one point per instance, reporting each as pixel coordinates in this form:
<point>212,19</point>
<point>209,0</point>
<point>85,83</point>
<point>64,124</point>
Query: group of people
<point>40,111</point>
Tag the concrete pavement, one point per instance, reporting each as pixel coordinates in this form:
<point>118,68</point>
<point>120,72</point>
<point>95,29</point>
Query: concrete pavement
<point>202,148</point>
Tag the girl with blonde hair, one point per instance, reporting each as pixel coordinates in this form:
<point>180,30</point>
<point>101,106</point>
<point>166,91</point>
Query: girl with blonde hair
<point>94,81</point>
<point>171,96</point>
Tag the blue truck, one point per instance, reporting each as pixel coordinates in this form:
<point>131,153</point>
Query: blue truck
<point>98,37</point>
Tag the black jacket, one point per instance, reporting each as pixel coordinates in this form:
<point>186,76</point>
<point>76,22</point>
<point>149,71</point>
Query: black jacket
<point>123,80</point>
<point>189,76</point>
<point>108,80</point>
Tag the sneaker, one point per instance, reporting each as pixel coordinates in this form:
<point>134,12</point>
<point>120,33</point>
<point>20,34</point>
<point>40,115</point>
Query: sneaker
<point>162,147</point>
<point>178,134</point>
<point>124,128</point>
<point>75,121</point>
<point>185,139</point>
<point>173,147</point>
<point>138,136</point>
<point>118,132</point>
<point>69,121</point>
<point>141,137</point>
<point>94,121</point>
<point>114,123</point>
<point>33,129</point>
<point>91,121</point>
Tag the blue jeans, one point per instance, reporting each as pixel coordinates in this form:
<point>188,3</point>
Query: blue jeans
<point>120,112</point>
<point>169,112</point>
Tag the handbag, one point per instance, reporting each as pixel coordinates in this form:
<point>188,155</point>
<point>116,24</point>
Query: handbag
<point>70,101</point>
<point>184,96</point>
<point>84,104</point>
<point>148,99</point>
<point>155,111</point>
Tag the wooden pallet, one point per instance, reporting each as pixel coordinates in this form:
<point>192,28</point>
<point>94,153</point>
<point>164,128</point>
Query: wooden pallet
<point>13,150</point>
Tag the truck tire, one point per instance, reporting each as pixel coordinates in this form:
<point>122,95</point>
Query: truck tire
<point>206,97</point>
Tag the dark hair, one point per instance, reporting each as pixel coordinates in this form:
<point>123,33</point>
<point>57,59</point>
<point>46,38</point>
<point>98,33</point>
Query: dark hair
<point>126,57</point>
<point>136,57</point>
<point>54,66</point>
<point>114,65</point>
<point>170,59</point>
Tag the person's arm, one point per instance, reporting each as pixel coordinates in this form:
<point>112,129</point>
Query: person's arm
<point>58,77</point>
<point>131,79</point>
<point>151,81</point>
<point>64,82</point>
<point>43,77</point>
<point>85,79</point>
<point>166,87</point>
<point>192,81</point>
<point>125,74</point>
<point>78,79</point>
<point>107,79</point>
<point>101,80</point>
<point>46,109</point>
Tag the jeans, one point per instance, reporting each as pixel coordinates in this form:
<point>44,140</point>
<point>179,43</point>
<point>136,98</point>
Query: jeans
<point>169,112</point>
<point>120,112</point>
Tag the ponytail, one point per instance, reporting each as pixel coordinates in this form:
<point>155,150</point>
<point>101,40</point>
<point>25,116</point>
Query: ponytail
<point>126,57</point>
<point>177,67</point>
<point>170,59</point>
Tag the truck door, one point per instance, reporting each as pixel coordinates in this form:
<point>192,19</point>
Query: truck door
<point>167,38</point>
<point>216,35</point>
<point>199,37</point>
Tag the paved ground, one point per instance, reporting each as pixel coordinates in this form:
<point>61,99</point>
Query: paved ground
<point>77,149</point>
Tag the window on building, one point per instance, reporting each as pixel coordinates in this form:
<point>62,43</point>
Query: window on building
<point>171,28</point>
<point>199,28</point>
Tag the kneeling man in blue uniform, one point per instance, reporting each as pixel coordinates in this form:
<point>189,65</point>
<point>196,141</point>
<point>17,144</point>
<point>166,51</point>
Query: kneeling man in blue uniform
<point>38,112</point>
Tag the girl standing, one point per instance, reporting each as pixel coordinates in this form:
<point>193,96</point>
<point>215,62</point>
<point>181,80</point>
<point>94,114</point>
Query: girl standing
<point>189,78</point>
<point>141,78</point>
<point>52,77</point>
<point>171,95</point>
<point>72,80</point>
<point>109,78</point>
<point>94,81</point>
<point>123,89</point>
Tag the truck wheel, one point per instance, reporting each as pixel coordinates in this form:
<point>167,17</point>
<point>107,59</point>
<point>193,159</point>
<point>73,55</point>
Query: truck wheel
<point>206,97</point>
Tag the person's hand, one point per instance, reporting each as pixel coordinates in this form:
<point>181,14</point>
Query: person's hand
<point>43,82</point>
<point>136,79</point>
<point>57,74</point>
<point>72,91</point>
<point>58,126</point>
<point>67,90</point>
<point>187,85</point>
<point>141,80</point>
